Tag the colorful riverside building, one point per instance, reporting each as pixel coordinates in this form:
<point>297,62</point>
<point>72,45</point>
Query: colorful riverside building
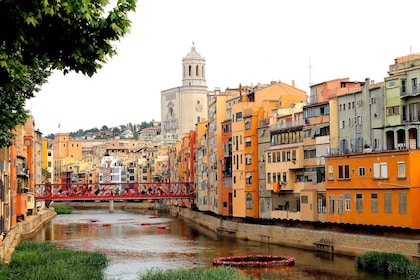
<point>373,180</point>
<point>283,158</point>
<point>252,107</point>
<point>379,188</point>
<point>201,166</point>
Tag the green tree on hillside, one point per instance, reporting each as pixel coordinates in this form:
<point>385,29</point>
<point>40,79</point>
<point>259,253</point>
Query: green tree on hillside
<point>38,37</point>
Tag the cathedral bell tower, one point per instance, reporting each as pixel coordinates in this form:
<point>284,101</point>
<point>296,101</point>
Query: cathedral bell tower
<point>193,69</point>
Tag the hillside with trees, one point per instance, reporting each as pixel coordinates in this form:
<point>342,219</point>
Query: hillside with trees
<point>106,132</point>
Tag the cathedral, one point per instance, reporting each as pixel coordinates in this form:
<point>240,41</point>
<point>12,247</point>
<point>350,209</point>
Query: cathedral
<point>182,107</point>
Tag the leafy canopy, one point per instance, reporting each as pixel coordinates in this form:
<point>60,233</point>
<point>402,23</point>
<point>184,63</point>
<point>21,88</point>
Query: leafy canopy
<point>39,36</point>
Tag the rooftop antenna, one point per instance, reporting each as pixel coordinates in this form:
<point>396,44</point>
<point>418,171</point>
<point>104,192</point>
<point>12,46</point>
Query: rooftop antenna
<point>310,72</point>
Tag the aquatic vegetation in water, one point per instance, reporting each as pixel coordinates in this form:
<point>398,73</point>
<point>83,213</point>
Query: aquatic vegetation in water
<point>388,264</point>
<point>63,209</point>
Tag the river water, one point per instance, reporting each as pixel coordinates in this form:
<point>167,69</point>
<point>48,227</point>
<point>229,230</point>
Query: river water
<point>137,242</point>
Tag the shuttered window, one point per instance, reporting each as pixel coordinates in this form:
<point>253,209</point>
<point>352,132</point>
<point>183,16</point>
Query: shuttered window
<point>340,205</point>
<point>374,202</point>
<point>388,202</point>
<point>347,201</point>
<point>402,202</point>
<point>359,203</point>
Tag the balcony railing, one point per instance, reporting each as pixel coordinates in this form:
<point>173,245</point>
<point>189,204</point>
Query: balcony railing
<point>410,93</point>
<point>283,125</point>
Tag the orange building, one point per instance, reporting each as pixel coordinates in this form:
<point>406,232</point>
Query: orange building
<point>380,189</point>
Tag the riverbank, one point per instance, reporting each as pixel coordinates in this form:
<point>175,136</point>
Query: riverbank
<point>22,229</point>
<point>349,244</point>
<point>321,240</point>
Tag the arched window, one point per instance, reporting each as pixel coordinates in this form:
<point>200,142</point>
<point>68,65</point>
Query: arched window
<point>249,201</point>
<point>189,70</point>
<point>196,70</point>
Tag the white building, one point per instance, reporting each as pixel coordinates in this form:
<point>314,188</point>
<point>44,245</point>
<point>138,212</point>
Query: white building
<point>182,107</point>
<point>112,173</point>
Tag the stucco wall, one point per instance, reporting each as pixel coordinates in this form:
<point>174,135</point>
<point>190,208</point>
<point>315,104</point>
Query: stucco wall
<point>346,244</point>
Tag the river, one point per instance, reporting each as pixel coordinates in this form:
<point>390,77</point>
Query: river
<point>137,242</point>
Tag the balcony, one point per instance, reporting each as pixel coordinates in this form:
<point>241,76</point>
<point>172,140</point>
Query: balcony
<point>411,93</point>
<point>284,125</point>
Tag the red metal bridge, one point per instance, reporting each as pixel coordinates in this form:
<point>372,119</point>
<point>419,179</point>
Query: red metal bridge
<point>114,191</point>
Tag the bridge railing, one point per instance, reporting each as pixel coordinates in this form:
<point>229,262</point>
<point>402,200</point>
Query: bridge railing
<point>176,189</point>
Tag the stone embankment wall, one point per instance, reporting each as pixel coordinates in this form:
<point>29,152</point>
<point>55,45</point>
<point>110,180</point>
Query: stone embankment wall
<point>340,243</point>
<point>30,225</point>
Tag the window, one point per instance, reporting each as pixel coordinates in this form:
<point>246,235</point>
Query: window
<point>247,125</point>
<point>391,84</point>
<point>342,124</point>
<point>380,170</point>
<point>393,110</point>
<point>414,85</point>
<point>304,199</point>
<point>401,169</point>
<point>248,142</point>
<point>238,116</point>
<point>330,172</point>
<point>414,111</point>
<point>362,171</point>
<point>347,201</point>
<point>331,203</point>
<point>322,203</point>
<point>269,157</point>
<point>403,86</point>
<point>248,179</point>
<point>248,159</point>
<point>388,202</point>
<point>249,201</point>
<point>374,202</point>
<point>359,203</point>
<point>402,203</point>
<point>340,205</point>
<point>344,171</point>
<point>309,153</point>
<point>269,178</point>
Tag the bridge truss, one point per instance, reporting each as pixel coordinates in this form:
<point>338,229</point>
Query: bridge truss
<point>114,191</point>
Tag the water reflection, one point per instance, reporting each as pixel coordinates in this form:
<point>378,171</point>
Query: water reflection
<point>136,243</point>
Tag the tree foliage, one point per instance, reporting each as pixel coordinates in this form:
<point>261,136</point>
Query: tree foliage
<point>40,36</point>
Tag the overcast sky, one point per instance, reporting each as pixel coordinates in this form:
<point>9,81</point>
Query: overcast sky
<point>244,41</point>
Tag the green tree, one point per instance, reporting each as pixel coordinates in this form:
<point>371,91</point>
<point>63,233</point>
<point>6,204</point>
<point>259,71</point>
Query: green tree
<point>38,37</point>
<point>116,131</point>
<point>46,175</point>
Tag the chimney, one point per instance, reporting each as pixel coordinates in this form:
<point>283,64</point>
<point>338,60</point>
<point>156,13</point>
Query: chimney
<point>293,83</point>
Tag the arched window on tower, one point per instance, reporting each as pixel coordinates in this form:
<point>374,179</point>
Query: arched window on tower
<point>196,70</point>
<point>189,70</point>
